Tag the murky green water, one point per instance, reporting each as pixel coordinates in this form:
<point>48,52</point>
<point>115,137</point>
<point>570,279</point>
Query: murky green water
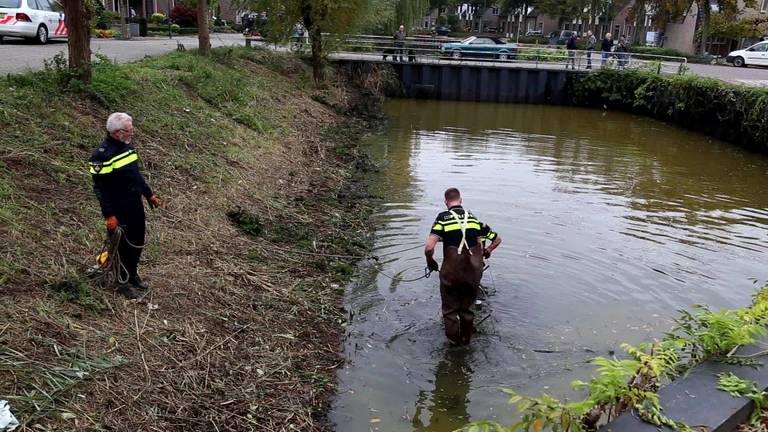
<point>610,223</point>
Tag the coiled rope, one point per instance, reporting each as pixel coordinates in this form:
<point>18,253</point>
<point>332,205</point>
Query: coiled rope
<point>110,273</point>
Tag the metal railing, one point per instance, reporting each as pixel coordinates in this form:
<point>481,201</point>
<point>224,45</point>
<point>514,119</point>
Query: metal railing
<point>431,50</point>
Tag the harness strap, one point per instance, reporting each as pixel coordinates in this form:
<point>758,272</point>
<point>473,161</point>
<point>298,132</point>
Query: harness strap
<point>463,225</point>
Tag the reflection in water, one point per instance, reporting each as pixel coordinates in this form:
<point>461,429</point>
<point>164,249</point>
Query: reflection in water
<point>447,404</point>
<point>611,223</point>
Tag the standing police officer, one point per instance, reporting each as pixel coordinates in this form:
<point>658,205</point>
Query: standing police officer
<point>463,238</point>
<point>119,186</point>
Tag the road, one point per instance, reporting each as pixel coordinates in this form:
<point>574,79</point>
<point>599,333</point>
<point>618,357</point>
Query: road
<point>21,56</point>
<point>750,75</point>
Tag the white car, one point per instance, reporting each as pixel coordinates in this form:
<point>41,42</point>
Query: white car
<point>756,55</point>
<point>40,20</point>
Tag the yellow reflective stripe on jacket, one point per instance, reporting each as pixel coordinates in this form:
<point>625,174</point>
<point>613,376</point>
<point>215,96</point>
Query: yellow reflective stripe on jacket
<point>116,162</point>
<point>99,169</point>
<point>491,236</point>
<point>437,227</point>
<point>454,227</point>
<point>125,161</point>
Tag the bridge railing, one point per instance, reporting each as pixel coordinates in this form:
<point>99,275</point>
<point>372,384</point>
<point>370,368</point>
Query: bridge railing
<point>432,50</point>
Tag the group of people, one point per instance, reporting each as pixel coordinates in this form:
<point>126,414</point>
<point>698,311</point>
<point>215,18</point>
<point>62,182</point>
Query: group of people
<point>119,187</point>
<point>608,48</point>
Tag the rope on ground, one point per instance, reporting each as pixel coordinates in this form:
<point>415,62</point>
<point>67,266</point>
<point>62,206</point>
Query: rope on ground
<point>111,271</point>
<point>485,294</point>
<point>396,277</point>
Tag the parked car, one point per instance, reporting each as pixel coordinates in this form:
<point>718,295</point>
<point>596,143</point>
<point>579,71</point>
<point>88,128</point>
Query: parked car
<point>756,55</point>
<point>442,31</point>
<point>479,47</point>
<point>40,20</point>
<point>560,37</point>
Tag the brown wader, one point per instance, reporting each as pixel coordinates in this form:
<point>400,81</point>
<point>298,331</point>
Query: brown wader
<point>459,282</point>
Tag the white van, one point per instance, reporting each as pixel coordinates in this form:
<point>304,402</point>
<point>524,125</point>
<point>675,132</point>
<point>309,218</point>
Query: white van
<point>40,20</point>
<point>756,55</point>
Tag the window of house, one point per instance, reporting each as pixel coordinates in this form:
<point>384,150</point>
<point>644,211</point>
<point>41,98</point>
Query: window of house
<point>495,10</point>
<point>764,6</point>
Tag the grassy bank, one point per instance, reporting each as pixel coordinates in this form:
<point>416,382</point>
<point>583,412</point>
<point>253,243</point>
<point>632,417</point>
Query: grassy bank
<point>241,331</point>
<point>729,112</point>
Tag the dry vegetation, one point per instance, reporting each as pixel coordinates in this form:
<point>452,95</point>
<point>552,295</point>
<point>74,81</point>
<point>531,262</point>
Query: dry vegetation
<point>241,329</point>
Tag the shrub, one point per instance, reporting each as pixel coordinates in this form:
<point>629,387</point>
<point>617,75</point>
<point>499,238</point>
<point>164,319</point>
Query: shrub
<point>656,51</point>
<point>184,16</point>
<point>157,18</point>
<point>534,40</point>
<point>542,55</point>
<point>104,34</point>
<point>175,28</point>
<point>101,19</point>
<point>112,16</point>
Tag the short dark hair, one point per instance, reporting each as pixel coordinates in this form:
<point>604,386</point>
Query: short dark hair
<point>452,194</point>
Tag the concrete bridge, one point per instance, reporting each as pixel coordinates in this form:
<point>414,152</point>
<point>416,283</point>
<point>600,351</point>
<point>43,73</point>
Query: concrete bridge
<point>531,74</point>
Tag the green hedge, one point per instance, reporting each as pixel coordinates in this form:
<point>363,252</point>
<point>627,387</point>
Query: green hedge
<point>656,51</point>
<point>732,113</point>
<point>542,55</point>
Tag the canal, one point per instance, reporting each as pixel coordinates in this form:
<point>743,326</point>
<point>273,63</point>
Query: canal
<point>610,223</point>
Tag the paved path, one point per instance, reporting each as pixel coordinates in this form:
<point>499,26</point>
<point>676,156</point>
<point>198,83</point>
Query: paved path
<point>20,56</point>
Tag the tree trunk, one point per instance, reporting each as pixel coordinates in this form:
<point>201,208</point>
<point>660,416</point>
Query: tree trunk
<point>639,22</point>
<point>77,19</point>
<point>318,60</point>
<point>704,13</point>
<point>203,37</point>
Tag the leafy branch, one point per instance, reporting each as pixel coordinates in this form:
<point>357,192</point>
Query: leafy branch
<point>738,387</point>
<point>632,383</point>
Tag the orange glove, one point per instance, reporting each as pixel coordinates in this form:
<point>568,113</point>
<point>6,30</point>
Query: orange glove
<point>111,224</point>
<point>154,201</point>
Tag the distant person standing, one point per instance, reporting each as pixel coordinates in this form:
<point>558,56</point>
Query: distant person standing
<point>622,50</point>
<point>571,46</point>
<point>591,42</point>
<point>606,47</point>
<point>399,44</point>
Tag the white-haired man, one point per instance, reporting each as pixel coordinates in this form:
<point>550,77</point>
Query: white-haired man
<point>119,186</point>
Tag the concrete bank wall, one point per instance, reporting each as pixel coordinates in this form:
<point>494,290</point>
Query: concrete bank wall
<point>480,83</point>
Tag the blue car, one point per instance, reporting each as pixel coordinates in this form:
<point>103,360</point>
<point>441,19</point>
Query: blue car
<point>480,47</point>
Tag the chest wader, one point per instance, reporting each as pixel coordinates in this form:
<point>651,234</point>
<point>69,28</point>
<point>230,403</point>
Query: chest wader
<point>460,277</point>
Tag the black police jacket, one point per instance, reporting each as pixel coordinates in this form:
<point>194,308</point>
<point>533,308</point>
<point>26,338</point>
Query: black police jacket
<point>117,181</point>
